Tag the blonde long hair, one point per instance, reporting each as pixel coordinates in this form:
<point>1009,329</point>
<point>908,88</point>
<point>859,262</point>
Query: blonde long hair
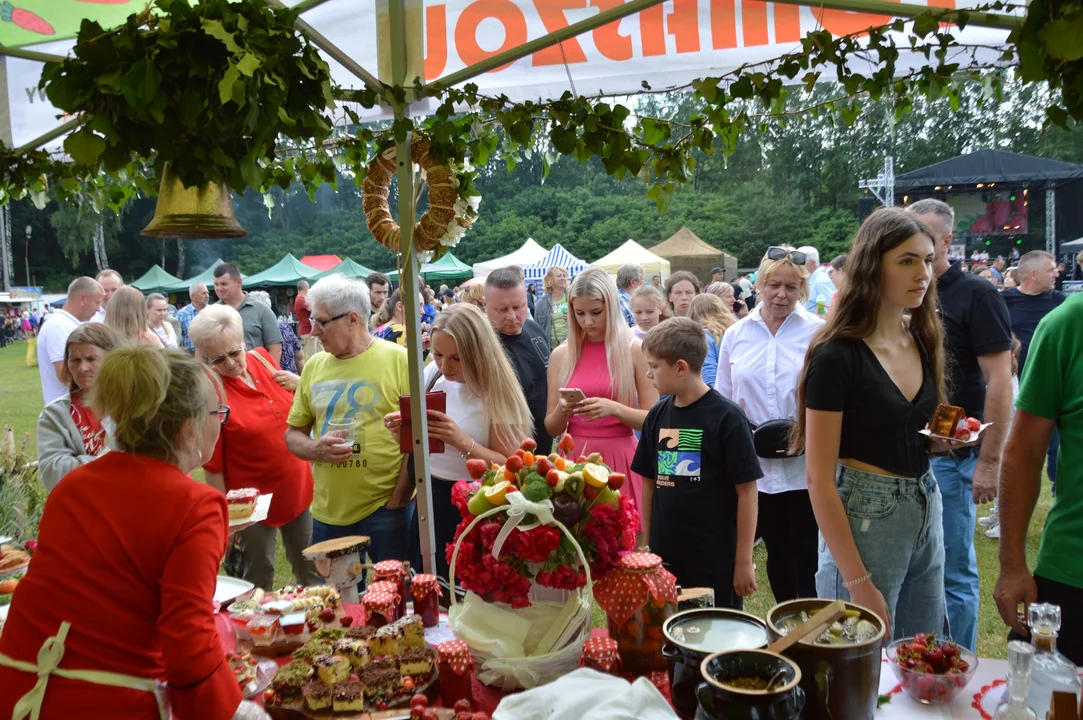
<point>597,284</point>
<point>487,371</point>
<point>126,312</point>
<point>712,314</point>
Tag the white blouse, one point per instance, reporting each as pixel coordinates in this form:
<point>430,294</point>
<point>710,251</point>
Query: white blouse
<point>760,371</point>
<point>470,413</point>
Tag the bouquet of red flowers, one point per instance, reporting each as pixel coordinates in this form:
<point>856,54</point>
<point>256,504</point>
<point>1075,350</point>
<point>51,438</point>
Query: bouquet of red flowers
<point>583,496</point>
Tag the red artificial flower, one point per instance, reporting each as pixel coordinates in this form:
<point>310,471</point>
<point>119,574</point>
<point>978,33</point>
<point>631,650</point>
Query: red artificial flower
<point>563,578</point>
<point>460,495</point>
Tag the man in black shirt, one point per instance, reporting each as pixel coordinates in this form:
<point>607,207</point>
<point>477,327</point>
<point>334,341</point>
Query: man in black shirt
<point>1027,305</point>
<point>524,342</point>
<point>978,342</point>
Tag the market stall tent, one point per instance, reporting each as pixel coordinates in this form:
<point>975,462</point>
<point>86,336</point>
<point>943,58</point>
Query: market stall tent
<point>323,263</point>
<point>530,253</point>
<point>155,280</point>
<point>685,251</point>
<point>558,256</point>
<point>632,252</point>
<point>348,268</point>
<point>447,269</point>
<point>206,277</point>
<point>285,272</point>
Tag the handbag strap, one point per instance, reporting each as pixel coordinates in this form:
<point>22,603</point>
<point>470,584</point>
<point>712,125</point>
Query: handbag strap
<point>264,361</point>
<point>432,383</point>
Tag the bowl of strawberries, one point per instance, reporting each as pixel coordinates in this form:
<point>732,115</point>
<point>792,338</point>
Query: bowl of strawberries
<point>931,670</point>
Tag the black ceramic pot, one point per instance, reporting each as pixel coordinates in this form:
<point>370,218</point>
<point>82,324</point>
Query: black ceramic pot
<point>719,700</point>
<point>692,635</point>
<point>840,681</point>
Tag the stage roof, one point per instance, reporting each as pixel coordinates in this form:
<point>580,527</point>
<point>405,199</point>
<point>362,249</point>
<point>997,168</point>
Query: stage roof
<point>989,166</point>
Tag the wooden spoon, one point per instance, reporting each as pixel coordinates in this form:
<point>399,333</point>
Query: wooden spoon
<point>814,627</point>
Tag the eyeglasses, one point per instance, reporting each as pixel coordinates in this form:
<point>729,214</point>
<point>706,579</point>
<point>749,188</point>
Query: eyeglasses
<point>322,324</point>
<point>234,355</point>
<point>781,253</point>
<point>223,414</point>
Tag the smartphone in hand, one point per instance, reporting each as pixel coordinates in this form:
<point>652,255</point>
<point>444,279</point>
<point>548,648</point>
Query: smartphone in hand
<point>572,395</point>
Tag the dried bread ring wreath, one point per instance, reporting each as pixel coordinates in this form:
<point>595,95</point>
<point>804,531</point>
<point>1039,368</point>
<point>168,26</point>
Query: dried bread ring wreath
<point>433,225</point>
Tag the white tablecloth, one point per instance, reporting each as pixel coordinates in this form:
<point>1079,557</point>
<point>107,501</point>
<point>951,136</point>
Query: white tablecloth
<point>985,690</point>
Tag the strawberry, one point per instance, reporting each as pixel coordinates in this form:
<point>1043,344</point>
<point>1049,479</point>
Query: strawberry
<point>479,715</point>
<point>529,445</point>
<point>544,466</point>
<point>552,478</point>
<point>346,621</point>
<point>268,696</point>
<point>567,444</point>
<point>921,639</point>
<point>417,712</point>
<point>462,705</point>
<point>355,677</point>
<point>590,493</point>
<point>514,464</point>
<point>520,452</point>
<point>327,614</point>
<point>476,467</point>
<point>935,658</point>
<point>974,424</point>
<point>950,651</point>
<point>616,481</point>
<point>420,699</point>
<point>962,433</point>
<point>25,19</point>
<point>464,715</point>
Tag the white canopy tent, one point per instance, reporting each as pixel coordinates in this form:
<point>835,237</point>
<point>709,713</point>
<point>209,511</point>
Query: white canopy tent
<point>633,252</point>
<point>526,49</point>
<point>558,256</point>
<point>530,253</point>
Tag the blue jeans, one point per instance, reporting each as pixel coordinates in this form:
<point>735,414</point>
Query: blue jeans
<point>897,527</point>
<point>389,533</point>
<point>1051,460</point>
<point>955,476</point>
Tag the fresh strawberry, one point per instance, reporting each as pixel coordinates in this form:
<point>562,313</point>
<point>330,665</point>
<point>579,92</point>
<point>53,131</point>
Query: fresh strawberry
<point>581,459</point>
<point>462,705</point>
<point>355,677</point>
<point>567,444</point>
<point>552,478</point>
<point>520,452</point>
<point>346,621</point>
<point>590,493</point>
<point>962,433</point>
<point>935,658</point>
<point>327,614</point>
<point>268,696</point>
<point>616,481</point>
<point>514,464</point>
<point>479,715</point>
<point>420,699</point>
<point>974,424</point>
<point>529,445</point>
<point>312,626</point>
<point>921,639</point>
<point>950,651</point>
<point>417,712</point>
<point>476,467</point>
<point>464,715</point>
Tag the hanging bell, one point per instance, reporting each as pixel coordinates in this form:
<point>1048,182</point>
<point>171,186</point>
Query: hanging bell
<point>203,212</point>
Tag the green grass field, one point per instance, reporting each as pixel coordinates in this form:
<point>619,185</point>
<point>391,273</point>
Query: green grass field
<point>20,404</point>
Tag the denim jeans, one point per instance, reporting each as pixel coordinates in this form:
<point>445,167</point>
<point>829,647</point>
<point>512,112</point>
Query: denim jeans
<point>389,533</point>
<point>954,475</point>
<point>1051,460</point>
<point>896,524</point>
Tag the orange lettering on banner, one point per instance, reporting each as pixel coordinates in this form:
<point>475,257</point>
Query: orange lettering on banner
<point>466,30</point>
<point>723,25</point>
<point>610,43</point>
<point>435,41</point>
<point>553,17</point>
<point>683,26</point>
<point>753,23</point>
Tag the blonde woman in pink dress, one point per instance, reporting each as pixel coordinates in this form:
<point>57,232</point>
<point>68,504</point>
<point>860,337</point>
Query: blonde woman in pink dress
<point>602,358</point>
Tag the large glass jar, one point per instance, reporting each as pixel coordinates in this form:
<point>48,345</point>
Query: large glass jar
<point>639,596</point>
<point>381,607</point>
<point>426,594</point>
<point>394,572</point>
<point>456,672</point>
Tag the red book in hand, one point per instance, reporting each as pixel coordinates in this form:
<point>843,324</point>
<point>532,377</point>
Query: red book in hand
<point>433,401</point>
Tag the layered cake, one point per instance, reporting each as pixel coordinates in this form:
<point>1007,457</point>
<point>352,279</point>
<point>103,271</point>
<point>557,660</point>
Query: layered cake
<point>388,640</point>
<point>380,683</point>
<point>945,420</point>
<point>349,696</point>
<point>356,650</point>
<point>413,631</point>
<point>317,695</point>
<point>241,502</point>
<point>416,661</point>
<point>332,669</point>
<point>290,678</point>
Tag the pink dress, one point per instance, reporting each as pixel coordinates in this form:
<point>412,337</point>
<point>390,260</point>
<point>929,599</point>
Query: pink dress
<point>608,436</point>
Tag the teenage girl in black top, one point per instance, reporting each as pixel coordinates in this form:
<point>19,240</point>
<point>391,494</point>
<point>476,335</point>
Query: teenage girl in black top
<point>873,377</point>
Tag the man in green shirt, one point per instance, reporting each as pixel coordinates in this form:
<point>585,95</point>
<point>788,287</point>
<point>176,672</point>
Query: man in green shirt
<point>1051,396</point>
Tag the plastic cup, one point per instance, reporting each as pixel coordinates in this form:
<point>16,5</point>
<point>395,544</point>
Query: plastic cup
<point>343,429</point>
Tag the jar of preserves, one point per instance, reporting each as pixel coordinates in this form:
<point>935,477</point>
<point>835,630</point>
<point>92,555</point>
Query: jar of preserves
<point>456,672</point>
<point>639,596</point>
<point>394,572</point>
<point>601,654</point>
<point>426,594</point>
<point>381,607</point>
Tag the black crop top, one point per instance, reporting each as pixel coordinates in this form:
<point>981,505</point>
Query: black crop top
<point>879,425</point>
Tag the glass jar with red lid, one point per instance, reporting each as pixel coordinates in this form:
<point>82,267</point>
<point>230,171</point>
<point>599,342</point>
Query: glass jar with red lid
<point>601,654</point>
<point>394,572</point>
<point>639,596</point>
<point>381,607</point>
<point>426,593</point>
<point>456,672</point>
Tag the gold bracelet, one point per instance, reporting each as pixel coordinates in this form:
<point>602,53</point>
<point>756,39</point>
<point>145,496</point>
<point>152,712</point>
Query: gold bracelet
<point>864,578</point>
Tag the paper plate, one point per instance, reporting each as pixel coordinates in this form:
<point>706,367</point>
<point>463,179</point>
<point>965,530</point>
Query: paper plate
<point>973,435</point>
<point>229,588</point>
<point>263,506</point>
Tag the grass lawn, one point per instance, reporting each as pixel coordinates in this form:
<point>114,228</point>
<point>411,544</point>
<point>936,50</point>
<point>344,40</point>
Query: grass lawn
<point>20,404</point>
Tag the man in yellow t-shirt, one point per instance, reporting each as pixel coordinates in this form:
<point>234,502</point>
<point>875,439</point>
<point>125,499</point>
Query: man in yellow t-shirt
<point>336,422</point>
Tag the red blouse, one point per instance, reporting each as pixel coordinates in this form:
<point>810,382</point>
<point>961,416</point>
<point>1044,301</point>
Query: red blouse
<point>251,451</point>
<point>128,553</point>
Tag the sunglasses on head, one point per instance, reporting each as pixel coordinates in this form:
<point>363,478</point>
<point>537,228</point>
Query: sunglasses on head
<point>780,253</point>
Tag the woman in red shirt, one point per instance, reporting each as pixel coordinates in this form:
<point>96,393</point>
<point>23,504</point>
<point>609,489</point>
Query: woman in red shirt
<point>114,617</point>
<point>251,452</point>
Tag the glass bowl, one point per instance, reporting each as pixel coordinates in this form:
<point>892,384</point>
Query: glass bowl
<point>931,688</point>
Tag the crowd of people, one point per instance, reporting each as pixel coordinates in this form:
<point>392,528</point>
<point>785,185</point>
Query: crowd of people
<point>784,406</point>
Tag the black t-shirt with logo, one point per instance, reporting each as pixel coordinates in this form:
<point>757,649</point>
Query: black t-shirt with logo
<point>975,323</point>
<point>529,355</point>
<point>696,455</point>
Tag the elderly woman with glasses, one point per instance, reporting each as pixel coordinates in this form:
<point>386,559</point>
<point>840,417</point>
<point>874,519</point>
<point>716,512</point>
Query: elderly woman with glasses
<point>251,451</point>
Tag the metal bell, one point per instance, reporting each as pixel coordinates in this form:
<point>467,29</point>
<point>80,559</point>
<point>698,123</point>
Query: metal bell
<point>204,212</point>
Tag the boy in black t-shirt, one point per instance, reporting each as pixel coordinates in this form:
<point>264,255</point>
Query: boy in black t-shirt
<point>699,469</point>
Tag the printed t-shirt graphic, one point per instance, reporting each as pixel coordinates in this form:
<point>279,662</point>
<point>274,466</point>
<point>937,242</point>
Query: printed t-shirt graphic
<point>680,453</point>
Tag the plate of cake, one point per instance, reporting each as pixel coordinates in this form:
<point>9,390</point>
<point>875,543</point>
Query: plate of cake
<point>950,422</point>
<point>247,506</point>
<point>356,669</point>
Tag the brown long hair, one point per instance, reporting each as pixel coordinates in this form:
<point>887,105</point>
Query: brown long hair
<point>857,306</point>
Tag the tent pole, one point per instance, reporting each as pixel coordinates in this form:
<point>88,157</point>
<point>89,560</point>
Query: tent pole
<point>51,135</point>
<point>333,50</point>
<point>306,5</point>
<point>408,286</point>
<point>30,54</point>
<point>882,7</point>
